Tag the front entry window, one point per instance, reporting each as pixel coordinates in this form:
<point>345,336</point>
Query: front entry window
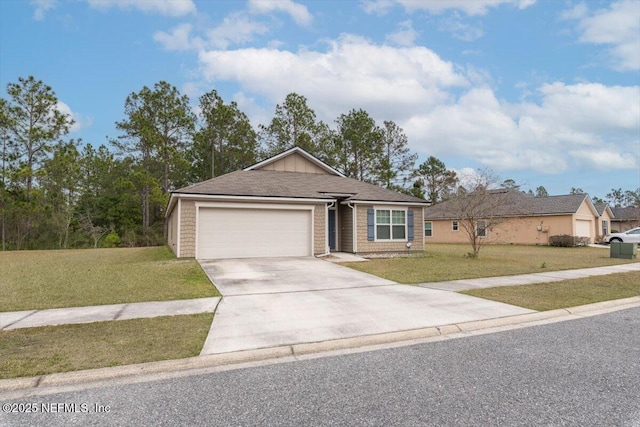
<point>391,225</point>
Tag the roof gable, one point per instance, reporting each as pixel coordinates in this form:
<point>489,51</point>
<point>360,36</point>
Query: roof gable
<point>603,208</point>
<point>295,160</point>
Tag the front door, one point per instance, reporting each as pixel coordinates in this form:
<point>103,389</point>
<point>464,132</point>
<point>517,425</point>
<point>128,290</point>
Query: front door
<point>332,229</point>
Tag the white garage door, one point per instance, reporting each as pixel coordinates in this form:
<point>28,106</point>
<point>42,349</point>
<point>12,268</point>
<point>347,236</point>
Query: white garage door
<point>250,233</point>
<point>583,228</point>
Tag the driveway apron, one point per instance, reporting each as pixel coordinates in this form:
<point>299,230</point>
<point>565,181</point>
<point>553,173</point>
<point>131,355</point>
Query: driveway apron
<point>270,302</point>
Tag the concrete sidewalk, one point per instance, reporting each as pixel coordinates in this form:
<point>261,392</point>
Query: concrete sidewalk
<point>529,279</point>
<point>100,313</point>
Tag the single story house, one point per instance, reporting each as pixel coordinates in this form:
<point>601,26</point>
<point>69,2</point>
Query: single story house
<point>292,204</point>
<point>517,217</point>
<point>625,218</point>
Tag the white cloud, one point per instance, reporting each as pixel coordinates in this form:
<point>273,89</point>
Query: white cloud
<point>404,36</point>
<point>437,7</point>
<point>41,8</point>
<point>550,136</point>
<point>80,122</point>
<point>605,159</point>
<point>553,130</point>
<point>459,29</point>
<point>617,27</point>
<point>298,12</point>
<point>589,107</point>
<point>469,7</point>
<point>235,29</point>
<point>178,39</point>
<point>165,7</point>
<point>352,73</point>
<point>579,11</point>
<point>377,7</point>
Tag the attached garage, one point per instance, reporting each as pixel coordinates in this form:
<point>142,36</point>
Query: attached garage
<point>250,231</point>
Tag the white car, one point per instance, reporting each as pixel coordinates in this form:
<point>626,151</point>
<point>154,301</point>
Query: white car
<point>629,236</point>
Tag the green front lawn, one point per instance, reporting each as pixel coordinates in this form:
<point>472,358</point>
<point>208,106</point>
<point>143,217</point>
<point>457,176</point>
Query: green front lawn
<point>568,293</point>
<point>50,349</point>
<point>72,278</point>
<point>442,262</point>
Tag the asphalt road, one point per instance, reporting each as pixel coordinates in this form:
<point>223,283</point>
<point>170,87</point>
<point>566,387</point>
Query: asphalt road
<point>580,373</point>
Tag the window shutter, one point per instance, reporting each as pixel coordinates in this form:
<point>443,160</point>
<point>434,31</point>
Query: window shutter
<point>410,224</point>
<point>370,224</point>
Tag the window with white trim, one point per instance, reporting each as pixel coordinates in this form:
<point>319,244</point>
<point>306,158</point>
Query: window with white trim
<point>391,224</point>
<point>428,229</point>
<point>455,226</point>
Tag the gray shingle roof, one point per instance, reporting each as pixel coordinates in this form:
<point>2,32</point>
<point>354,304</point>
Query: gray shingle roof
<point>510,203</point>
<point>264,183</point>
<point>626,214</point>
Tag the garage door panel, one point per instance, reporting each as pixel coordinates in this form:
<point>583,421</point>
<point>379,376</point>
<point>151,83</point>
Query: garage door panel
<point>248,233</point>
<point>583,228</point>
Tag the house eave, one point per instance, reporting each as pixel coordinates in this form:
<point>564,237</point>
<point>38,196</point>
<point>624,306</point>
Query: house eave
<point>433,218</point>
<point>194,196</point>
<point>384,202</point>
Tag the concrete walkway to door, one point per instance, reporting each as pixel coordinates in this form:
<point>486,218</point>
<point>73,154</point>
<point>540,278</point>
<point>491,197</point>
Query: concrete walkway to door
<point>270,302</point>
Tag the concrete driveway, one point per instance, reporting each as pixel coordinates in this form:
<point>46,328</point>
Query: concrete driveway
<point>270,302</point>
<point>275,275</point>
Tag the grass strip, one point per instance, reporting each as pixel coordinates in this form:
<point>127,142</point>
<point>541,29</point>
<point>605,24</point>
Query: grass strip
<point>567,293</point>
<point>45,350</point>
<point>442,262</point>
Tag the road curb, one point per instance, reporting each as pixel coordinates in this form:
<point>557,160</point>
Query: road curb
<point>304,349</point>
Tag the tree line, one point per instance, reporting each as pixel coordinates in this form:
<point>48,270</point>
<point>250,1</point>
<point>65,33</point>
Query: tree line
<point>57,192</point>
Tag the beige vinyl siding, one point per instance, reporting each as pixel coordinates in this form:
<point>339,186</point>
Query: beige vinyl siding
<point>187,229</point>
<point>365,245</point>
<point>320,245</point>
<point>345,227</point>
<point>294,163</point>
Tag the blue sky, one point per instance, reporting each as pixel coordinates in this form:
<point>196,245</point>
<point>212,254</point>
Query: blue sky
<point>542,92</point>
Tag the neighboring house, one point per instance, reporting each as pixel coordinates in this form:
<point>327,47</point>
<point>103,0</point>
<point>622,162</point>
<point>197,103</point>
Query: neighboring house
<point>604,224</point>
<point>625,218</point>
<point>519,217</point>
<point>290,205</point>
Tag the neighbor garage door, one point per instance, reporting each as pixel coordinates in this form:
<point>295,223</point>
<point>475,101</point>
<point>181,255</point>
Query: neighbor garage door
<point>583,228</point>
<point>249,233</point>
